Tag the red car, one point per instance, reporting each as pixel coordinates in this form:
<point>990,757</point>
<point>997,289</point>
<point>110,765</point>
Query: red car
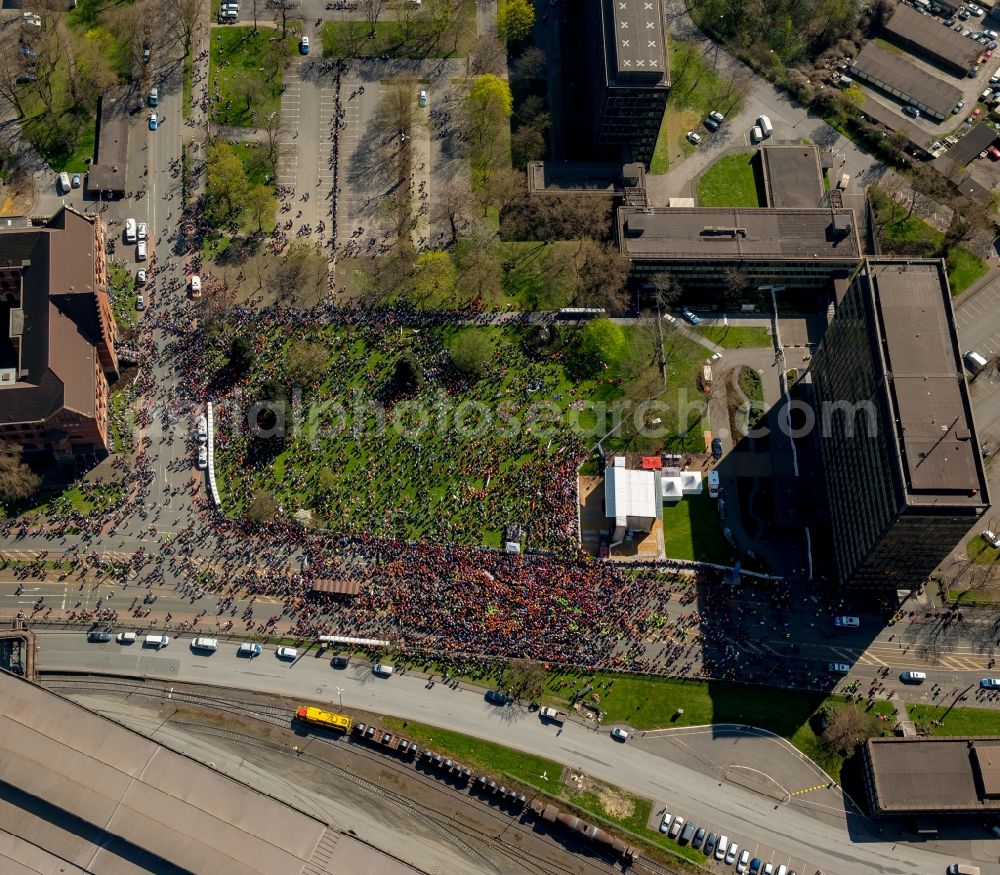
<point>975,113</point>
<point>993,153</point>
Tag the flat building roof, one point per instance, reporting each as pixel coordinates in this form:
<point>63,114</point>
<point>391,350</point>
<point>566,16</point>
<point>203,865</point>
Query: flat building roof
<point>634,41</point>
<point>725,234</point>
<point>928,395</point>
<point>106,799</point>
<point>932,774</point>
<point>908,25</point>
<point>905,80</point>
<point>793,175</point>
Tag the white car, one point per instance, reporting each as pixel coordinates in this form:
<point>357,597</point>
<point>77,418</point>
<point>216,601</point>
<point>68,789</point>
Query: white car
<point>196,286</point>
<point>838,667</point>
<point>975,10</point>
<point>64,183</point>
<point>140,250</point>
<point>141,276</point>
<point>675,830</point>
<point>845,622</point>
<point>992,539</point>
<point>693,138</point>
<point>202,458</point>
<point>665,822</point>
<point>422,98</point>
<point>619,734</point>
<point>140,302</point>
<point>734,849</point>
<point>141,231</point>
<point>202,429</point>
<point>382,669</point>
<point>990,683</point>
<point>286,653</point>
<point>130,230</point>
<point>743,863</point>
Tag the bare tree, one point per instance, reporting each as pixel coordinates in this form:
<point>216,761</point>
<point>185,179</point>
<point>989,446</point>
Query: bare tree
<point>283,10</point>
<point>373,10</point>
<point>12,76</point>
<point>488,57</point>
<point>273,134</point>
<point>454,205</point>
<point>184,15</point>
<point>847,727</point>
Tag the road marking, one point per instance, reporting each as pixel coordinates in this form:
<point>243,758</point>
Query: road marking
<point>809,790</point>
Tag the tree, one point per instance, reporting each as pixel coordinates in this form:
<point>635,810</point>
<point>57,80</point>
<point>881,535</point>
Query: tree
<point>593,274</point>
<point>91,73</point>
<point>847,103</point>
<point>665,288</point>
<point>260,206</point>
<point>306,363</point>
<point>847,727</point>
<point>472,349</point>
<point>600,344</point>
<point>184,15</point>
<point>488,57</point>
<point>263,508</point>
<point>488,103</point>
<point>453,205</point>
<point>241,355</point>
<point>408,375</point>
<point>302,276</point>
<point>282,8</point>
<point>274,59</point>
<point>250,92</point>
<point>17,480</point>
<point>434,279</point>
<point>226,185</point>
<point>274,135</point>
<point>734,282</point>
<point>524,679</point>
<point>373,10</point>
<point>530,64</point>
<point>515,18</point>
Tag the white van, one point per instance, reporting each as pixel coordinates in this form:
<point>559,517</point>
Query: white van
<point>764,123</point>
<point>156,641</point>
<point>913,677</point>
<point>382,669</point>
<point>713,484</point>
<point>974,361</point>
<point>963,869</point>
<point>64,183</point>
<point>125,638</point>
<point>140,250</point>
<point>756,134</point>
<point>205,644</point>
<point>130,231</point>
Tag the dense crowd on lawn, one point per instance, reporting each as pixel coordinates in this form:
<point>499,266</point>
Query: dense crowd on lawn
<point>410,477</point>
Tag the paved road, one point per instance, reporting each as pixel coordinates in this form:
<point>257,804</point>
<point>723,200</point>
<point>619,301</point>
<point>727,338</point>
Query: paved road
<point>838,843</point>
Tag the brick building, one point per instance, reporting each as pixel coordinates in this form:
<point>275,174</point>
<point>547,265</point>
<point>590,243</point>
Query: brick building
<point>57,353</point>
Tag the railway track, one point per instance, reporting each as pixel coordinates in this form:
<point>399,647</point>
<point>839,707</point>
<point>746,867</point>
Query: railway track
<point>460,833</point>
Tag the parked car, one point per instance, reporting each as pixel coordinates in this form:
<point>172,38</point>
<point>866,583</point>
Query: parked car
<point>201,429</point>
<point>382,669</point>
<point>495,697</point>
<point>142,231</point>
<point>687,834</point>
<point>992,539</point>
<point>676,827</point>
<point>154,96</point>
<point>153,123</point>
<point>304,46</point>
<point>711,124</point>
<point>286,652</point>
<point>99,637</point>
<point>126,638</point>
<point>974,72</point>
<point>715,115</point>
<point>422,98</point>
<point>140,302</point>
<point>619,734</point>
<point>912,111</point>
<point>76,182</point>
<point>847,622</point>
<point>690,317</point>
<point>693,138</point>
<point>140,250</point>
<point>716,448</point>
<point>743,863</point>
<point>196,286</point>
<point>710,843</point>
<point>249,650</point>
<point>699,837</point>
<point>145,51</point>
<point>140,276</point>
<point>665,822</point>
<point>993,153</point>
<point>202,462</point>
<point>756,134</point>
<point>64,183</point>
<point>990,683</point>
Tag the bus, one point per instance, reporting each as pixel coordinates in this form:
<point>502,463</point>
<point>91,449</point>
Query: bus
<point>581,313</point>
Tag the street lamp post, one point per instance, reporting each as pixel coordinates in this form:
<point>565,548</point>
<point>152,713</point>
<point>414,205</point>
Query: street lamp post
<point>340,697</point>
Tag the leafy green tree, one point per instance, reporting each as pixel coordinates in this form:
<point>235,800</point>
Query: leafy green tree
<point>434,279</point>
<point>226,185</point>
<point>17,480</point>
<point>472,349</point>
<point>489,103</point>
<point>307,362</point>
<point>600,344</point>
<point>515,18</point>
<point>261,205</point>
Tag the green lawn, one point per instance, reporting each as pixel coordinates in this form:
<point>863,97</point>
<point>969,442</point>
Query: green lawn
<point>735,336</point>
<point>691,530</point>
<point>695,89</point>
<point>248,67</point>
<point>957,721</point>
<point>729,182</point>
<point>416,34</point>
<point>524,284</point>
<point>964,268</point>
<point>482,755</point>
<point>980,552</point>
